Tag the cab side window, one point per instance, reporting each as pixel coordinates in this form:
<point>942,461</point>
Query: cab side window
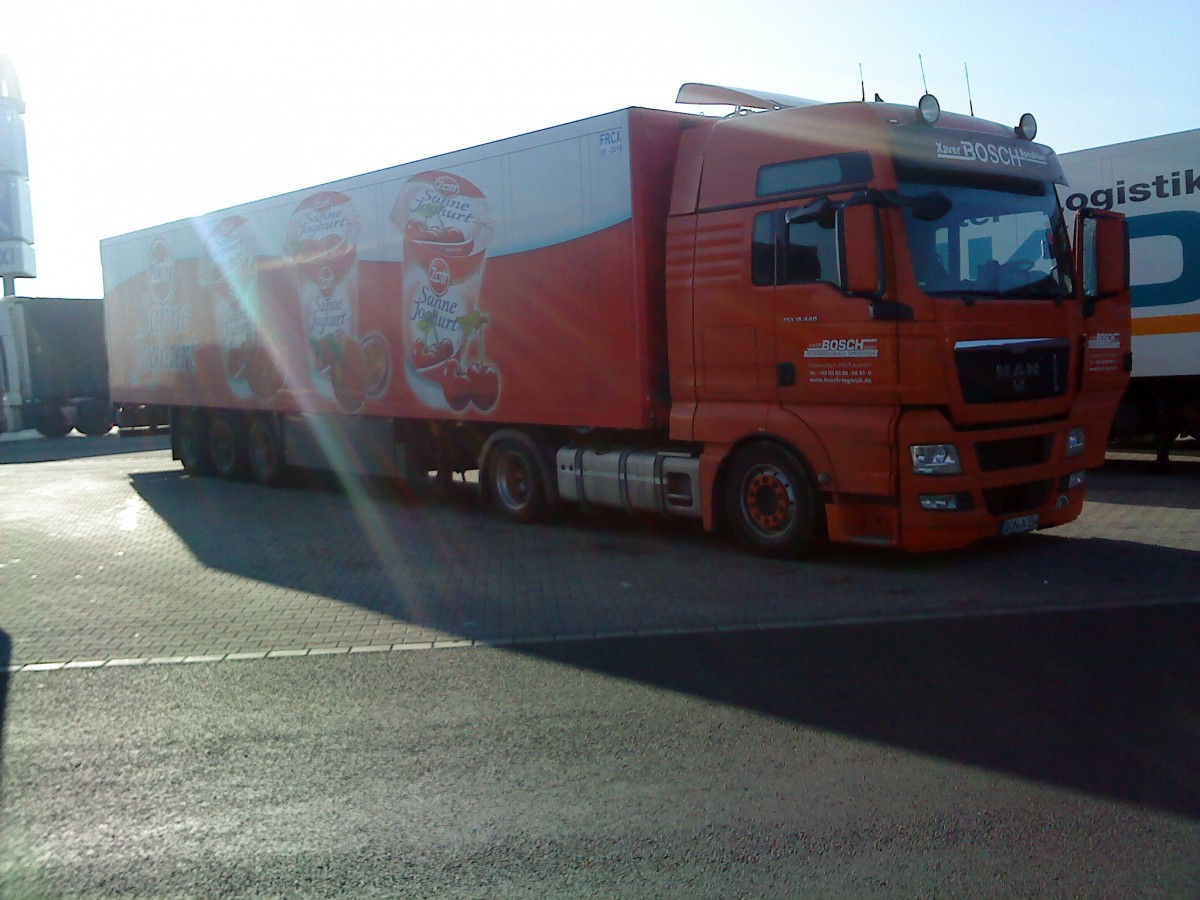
<point>808,254</point>
<point>811,253</point>
<point>762,249</point>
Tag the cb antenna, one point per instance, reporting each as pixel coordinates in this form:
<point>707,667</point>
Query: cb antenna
<point>970,102</point>
<point>863,83</point>
<point>924,83</point>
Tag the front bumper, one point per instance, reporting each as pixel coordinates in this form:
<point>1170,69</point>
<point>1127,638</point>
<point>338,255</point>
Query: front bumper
<point>1014,478</point>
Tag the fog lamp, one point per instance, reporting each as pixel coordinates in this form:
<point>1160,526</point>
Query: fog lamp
<point>939,502</point>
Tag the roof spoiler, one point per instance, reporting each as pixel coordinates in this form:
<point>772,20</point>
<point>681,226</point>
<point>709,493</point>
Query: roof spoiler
<point>716,95</point>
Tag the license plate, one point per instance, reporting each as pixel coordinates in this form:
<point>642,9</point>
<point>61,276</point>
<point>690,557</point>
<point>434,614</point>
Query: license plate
<point>1019,525</point>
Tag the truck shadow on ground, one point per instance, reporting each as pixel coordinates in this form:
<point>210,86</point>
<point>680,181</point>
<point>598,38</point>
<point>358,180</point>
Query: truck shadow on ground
<point>444,563</point>
<point>1106,702</point>
<point>972,656</point>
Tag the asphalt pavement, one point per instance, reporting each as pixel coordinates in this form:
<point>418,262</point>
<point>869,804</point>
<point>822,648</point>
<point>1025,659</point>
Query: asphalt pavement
<point>119,558</point>
<point>214,689</point>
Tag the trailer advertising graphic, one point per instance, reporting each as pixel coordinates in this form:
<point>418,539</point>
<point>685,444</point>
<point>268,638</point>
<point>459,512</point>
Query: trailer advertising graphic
<point>423,290</point>
<point>447,226</point>
<point>164,334</point>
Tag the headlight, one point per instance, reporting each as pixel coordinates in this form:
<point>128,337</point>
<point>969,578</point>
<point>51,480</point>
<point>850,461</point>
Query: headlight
<point>935,459</point>
<point>1075,441</point>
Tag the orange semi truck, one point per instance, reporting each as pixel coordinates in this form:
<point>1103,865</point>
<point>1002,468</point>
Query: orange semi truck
<point>861,322</point>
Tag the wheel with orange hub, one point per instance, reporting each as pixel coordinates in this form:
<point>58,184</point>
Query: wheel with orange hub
<point>771,502</point>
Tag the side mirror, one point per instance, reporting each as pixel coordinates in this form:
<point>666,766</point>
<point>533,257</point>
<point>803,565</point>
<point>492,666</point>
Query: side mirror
<point>861,250</point>
<point>810,212</point>
<point>931,207</point>
<point>1102,253</point>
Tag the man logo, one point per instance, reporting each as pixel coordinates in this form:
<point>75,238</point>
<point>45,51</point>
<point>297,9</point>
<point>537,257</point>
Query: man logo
<point>1016,373</point>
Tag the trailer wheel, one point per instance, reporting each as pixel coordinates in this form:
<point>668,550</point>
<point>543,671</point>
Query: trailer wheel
<point>52,422</point>
<point>771,502</point>
<point>94,419</point>
<point>190,438</point>
<point>515,489</point>
<point>264,452</point>
<point>227,446</point>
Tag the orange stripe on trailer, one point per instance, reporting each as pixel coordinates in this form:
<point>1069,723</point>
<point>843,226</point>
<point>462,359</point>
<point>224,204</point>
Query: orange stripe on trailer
<point>1167,325</point>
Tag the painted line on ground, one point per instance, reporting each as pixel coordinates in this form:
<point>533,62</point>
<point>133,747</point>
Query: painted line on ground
<point>578,637</point>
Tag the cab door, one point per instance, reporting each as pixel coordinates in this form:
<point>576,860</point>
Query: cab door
<point>733,317</point>
<point>830,347</point>
<point>836,361</point>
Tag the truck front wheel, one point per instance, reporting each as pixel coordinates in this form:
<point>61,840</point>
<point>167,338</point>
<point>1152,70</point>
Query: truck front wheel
<point>515,487</point>
<point>227,445</point>
<point>771,502</point>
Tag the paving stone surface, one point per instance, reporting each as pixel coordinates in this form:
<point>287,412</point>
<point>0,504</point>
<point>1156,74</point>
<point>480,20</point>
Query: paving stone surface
<point>110,555</point>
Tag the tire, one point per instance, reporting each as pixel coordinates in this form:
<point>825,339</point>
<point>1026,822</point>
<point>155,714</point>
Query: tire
<point>771,503</point>
<point>515,487</point>
<point>227,446</point>
<point>264,452</point>
<point>94,419</point>
<point>52,423</point>
<point>190,437</point>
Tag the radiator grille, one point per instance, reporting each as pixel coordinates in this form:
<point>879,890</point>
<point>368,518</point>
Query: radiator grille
<point>996,456</point>
<point>996,372</point>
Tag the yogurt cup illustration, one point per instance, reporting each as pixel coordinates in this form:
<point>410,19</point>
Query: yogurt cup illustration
<point>229,273</point>
<point>322,248</point>
<point>447,225</point>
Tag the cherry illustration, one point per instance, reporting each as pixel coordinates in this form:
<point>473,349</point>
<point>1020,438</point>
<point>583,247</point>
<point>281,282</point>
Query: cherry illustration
<point>425,355</point>
<point>485,385</point>
<point>456,385</point>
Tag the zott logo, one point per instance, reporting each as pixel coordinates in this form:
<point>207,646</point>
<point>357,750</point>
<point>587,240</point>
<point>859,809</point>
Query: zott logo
<point>447,186</point>
<point>439,276</point>
<point>161,270</point>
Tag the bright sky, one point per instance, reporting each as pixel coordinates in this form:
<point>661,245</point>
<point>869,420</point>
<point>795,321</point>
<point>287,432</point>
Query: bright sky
<point>140,113</point>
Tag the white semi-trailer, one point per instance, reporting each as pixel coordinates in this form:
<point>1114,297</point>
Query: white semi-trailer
<point>1155,182</point>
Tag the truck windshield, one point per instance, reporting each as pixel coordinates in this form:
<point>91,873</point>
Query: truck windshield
<point>999,239</point>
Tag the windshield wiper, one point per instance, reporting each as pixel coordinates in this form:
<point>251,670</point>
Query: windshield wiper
<point>969,296</point>
<point>1045,288</point>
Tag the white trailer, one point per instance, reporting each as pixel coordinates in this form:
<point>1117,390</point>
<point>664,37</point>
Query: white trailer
<point>1155,182</point>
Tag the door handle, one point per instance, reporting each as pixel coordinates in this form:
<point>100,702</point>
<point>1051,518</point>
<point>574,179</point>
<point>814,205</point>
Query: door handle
<point>785,373</point>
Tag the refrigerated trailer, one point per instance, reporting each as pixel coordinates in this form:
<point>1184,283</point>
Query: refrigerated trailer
<point>1155,182</point>
<point>862,322</point>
